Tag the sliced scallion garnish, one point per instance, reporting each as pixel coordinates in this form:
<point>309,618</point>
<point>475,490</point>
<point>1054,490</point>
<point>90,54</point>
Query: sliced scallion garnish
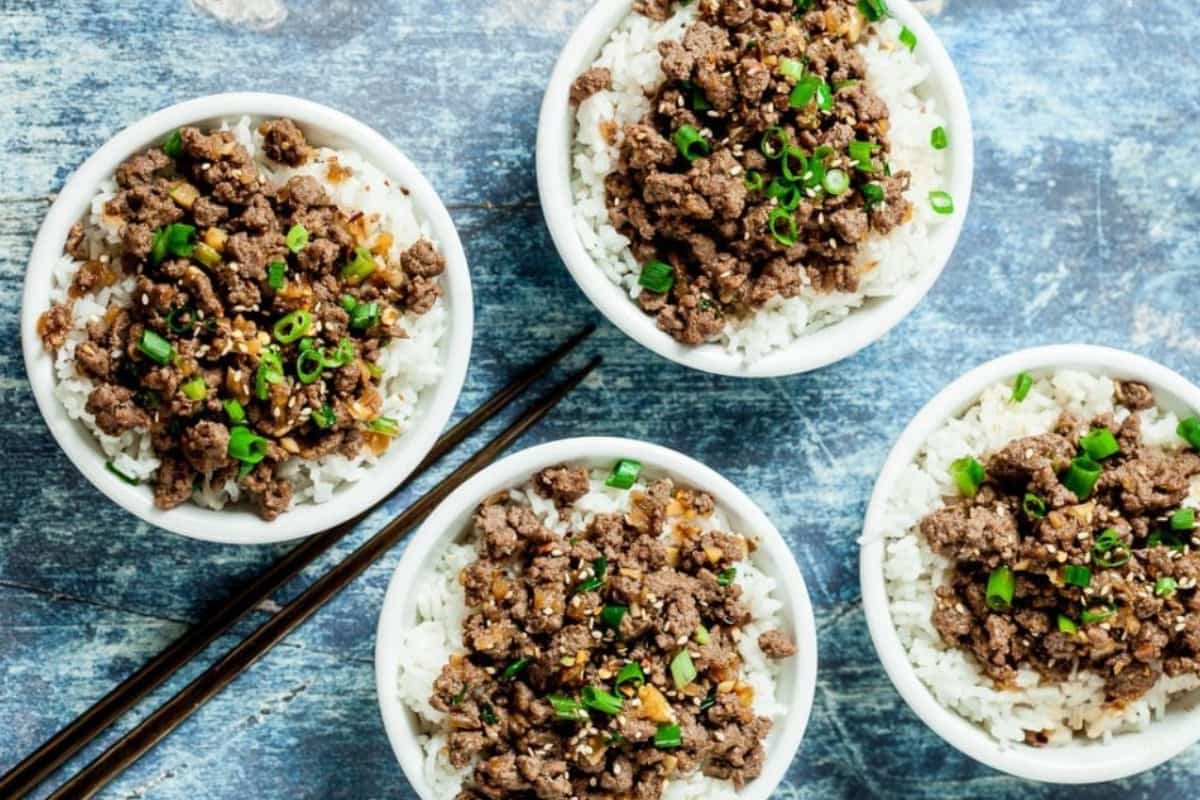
<point>1000,588</point>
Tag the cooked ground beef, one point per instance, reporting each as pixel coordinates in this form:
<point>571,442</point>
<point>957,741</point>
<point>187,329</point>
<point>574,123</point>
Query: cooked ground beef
<point>1104,582</point>
<point>550,620</point>
<point>787,175</point>
<point>257,314</point>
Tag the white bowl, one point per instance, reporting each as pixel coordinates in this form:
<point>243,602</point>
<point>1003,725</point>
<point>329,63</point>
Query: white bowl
<point>556,132</point>
<point>1081,761</point>
<point>451,520</point>
<point>238,525</point>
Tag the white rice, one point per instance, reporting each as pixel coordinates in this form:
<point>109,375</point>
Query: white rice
<point>912,570</point>
<point>441,609</point>
<point>409,365</point>
<point>897,75</point>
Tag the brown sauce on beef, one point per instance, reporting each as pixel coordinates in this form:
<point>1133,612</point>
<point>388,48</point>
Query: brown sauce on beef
<point>538,633</point>
<point>216,303</point>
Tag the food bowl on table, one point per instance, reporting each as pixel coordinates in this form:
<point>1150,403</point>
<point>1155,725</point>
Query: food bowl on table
<point>578,147</point>
<point>420,631</point>
<point>1085,725</point>
<point>347,159</point>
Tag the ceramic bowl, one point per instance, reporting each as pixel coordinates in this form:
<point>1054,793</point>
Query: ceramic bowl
<point>239,525</point>
<point>451,521</point>
<point>556,133</point>
<point>1080,761</point>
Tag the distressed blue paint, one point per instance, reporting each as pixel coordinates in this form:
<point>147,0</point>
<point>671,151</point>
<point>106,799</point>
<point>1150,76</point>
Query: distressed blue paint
<point>1086,200</point>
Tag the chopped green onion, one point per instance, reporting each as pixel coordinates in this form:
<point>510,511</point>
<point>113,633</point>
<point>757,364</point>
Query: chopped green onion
<point>374,370</point>
<point>791,68</point>
<point>1076,575</point>
<point>362,265</point>
<point>624,474</point>
<point>709,700</point>
<point>701,635</point>
<point>1067,625</point>
<point>611,616</point>
<point>275,272</point>
<point>968,475</point>
<point>839,85</point>
<point>861,153</point>
<point>823,152</point>
<point>173,144</point>
<point>234,410</point>
<point>908,39</point>
<point>726,576</point>
<point>941,202</point>
<point>774,142</point>
<point>1183,520</point>
<point>1110,542</point>
<point>513,669</point>
<point>1035,507</point>
<point>590,585</point>
<point>787,194</point>
<point>1189,431</point>
<point>873,10</point>
<point>1099,444</point>
<point>836,182</point>
<point>488,715</point>
<point>1165,587</point>
<point>786,238</point>
<point>690,143</point>
<point>195,389</point>
<point>324,417</point>
<point>566,707</point>
<point>364,317</point>
<point>1097,614</point>
<point>1081,477</point>
<point>246,446</point>
<point>630,673</point>
<point>184,326</point>
<point>292,326</point>
<point>297,238</point>
<point>158,246</point>
<point>657,276</point>
<point>343,355</point>
<point>938,139</point>
<point>668,736</point>
<point>348,302</point>
<point>155,347</point>
<point>824,97</point>
<point>804,91</point>
<point>753,180</point>
<point>600,700</point>
<point>872,195</point>
<point>683,671</point>
<point>1021,387</point>
<point>1168,539</point>
<point>1000,588</point>
<point>309,366</point>
<point>130,479</point>
<point>385,426</point>
<point>175,239</point>
<point>270,370</point>
<point>785,164</point>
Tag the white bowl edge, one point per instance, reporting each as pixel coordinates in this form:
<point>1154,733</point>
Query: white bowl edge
<point>450,519</point>
<point>828,345</point>
<point>238,525</point>
<point>1079,762</point>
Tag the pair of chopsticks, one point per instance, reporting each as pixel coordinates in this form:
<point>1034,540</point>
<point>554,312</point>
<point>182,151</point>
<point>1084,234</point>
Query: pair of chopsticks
<point>38,765</point>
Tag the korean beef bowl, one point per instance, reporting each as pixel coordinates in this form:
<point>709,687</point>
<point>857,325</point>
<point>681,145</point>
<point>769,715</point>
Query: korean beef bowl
<point>247,318</point>
<point>1030,564</point>
<point>755,187</point>
<point>596,618</point>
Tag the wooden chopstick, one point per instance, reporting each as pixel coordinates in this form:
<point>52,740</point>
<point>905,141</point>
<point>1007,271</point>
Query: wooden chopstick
<point>55,751</point>
<point>170,714</point>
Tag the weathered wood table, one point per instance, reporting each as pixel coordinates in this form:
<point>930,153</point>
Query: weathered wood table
<point>1085,227</point>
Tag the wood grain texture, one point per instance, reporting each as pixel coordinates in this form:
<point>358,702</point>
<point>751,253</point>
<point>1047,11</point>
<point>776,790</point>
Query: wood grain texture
<point>1084,227</point>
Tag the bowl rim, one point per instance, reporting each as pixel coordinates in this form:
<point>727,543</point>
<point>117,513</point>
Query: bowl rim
<point>237,525</point>
<point>813,350</point>
<point>515,469</point>
<point>1127,754</point>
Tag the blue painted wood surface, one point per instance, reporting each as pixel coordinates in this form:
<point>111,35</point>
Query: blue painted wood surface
<point>1085,226</point>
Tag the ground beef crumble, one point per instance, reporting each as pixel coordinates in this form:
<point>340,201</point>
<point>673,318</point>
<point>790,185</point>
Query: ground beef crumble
<point>553,618</point>
<point>787,175</point>
<point>1100,578</point>
<point>239,283</point>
